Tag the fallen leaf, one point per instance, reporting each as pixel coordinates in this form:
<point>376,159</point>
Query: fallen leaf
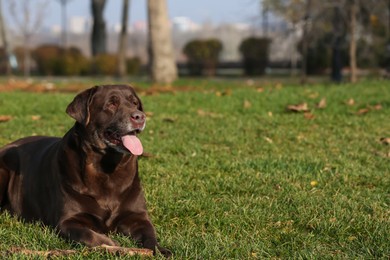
<point>218,93</point>
<point>169,120</point>
<point>115,250</point>
<point>350,102</point>
<point>201,112</point>
<point>250,82</point>
<point>269,140</point>
<point>227,92</point>
<point>322,103</point>
<point>277,187</point>
<point>270,114</point>
<point>279,86</point>
<point>385,140</point>
<point>149,114</point>
<point>363,111</point>
<point>314,95</point>
<point>303,107</point>
<point>309,115</point>
<point>35,118</point>
<point>313,183</point>
<point>247,104</point>
<point>260,90</point>
<point>377,107</point>
<point>5,118</point>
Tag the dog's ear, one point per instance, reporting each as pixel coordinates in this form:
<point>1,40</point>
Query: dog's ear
<point>79,107</point>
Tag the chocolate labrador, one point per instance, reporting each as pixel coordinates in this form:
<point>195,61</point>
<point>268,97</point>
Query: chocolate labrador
<point>85,184</point>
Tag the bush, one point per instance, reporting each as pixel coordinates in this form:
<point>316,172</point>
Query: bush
<point>54,60</point>
<point>203,56</point>
<point>255,52</point>
<point>105,64</point>
<point>133,66</point>
<point>45,57</point>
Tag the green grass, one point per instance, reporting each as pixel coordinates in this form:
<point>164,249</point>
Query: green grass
<point>235,176</point>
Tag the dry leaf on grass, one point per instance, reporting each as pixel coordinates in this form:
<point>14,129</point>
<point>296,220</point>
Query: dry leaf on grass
<point>385,140</point>
<point>148,114</point>
<point>227,92</point>
<point>35,117</point>
<point>169,120</point>
<point>376,107</point>
<point>201,112</point>
<point>260,89</point>
<point>309,115</point>
<point>369,108</point>
<point>322,103</point>
<point>247,104</point>
<point>350,102</point>
<point>116,250</point>
<point>362,111</point>
<point>314,95</point>
<point>5,118</point>
<point>303,107</point>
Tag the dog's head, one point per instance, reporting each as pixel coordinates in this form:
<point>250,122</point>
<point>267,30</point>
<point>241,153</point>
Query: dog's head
<point>112,116</point>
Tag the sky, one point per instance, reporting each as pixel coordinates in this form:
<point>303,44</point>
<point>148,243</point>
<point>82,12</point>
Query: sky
<point>214,11</point>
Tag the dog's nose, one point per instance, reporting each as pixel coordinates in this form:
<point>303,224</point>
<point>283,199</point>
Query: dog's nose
<point>138,117</point>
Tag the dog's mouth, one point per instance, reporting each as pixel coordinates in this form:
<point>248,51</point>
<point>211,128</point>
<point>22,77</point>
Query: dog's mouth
<point>128,141</point>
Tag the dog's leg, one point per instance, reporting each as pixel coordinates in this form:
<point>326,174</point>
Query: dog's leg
<point>80,232</point>
<point>139,227</point>
<point>4,180</point>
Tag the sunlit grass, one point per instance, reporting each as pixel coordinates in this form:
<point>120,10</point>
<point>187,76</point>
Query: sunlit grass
<point>235,176</point>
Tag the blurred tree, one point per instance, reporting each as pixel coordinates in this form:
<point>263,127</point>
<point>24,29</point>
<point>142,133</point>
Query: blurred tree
<point>203,56</point>
<point>344,19</point>
<point>293,12</point>
<point>122,45</point>
<point>305,40</point>
<point>4,39</point>
<point>28,17</point>
<point>353,9</point>
<point>64,22</point>
<point>255,55</point>
<point>98,38</point>
<point>161,57</point>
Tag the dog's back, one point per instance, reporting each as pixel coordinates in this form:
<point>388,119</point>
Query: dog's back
<point>27,186</point>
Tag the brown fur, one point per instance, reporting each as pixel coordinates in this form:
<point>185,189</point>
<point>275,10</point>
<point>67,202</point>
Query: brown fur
<point>81,184</point>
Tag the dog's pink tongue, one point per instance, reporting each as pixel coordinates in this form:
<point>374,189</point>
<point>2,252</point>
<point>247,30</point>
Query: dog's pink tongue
<point>133,144</point>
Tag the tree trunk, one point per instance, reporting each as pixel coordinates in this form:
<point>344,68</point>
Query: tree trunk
<point>388,20</point>
<point>26,57</point>
<point>352,42</point>
<point>122,68</point>
<point>162,61</point>
<point>305,42</point>
<point>336,48</point>
<point>64,29</point>
<point>98,39</point>
<point>3,36</point>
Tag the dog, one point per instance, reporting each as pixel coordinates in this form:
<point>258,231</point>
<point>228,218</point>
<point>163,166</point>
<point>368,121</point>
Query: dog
<point>86,183</point>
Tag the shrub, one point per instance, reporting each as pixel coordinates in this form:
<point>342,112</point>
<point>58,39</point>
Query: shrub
<point>45,57</point>
<point>255,52</point>
<point>54,60</point>
<point>203,56</point>
<point>133,66</point>
<point>104,64</point>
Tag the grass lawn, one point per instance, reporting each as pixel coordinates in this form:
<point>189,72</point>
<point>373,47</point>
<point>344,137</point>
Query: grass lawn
<point>235,176</point>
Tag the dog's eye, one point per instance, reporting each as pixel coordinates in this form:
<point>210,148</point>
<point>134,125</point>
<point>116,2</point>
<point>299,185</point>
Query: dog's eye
<point>112,103</point>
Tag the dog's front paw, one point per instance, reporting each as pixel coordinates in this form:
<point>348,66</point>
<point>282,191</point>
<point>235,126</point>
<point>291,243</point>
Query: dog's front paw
<point>164,251</point>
